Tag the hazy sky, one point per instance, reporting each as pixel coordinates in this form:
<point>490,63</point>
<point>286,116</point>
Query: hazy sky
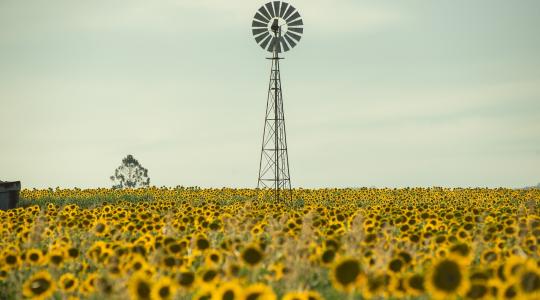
<point>378,93</point>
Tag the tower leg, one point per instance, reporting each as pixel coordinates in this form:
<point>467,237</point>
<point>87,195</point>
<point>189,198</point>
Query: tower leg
<point>274,171</point>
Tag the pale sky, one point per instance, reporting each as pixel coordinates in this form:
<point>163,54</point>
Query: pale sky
<point>377,93</point>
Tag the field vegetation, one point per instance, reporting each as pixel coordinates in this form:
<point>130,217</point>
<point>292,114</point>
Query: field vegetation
<point>190,243</point>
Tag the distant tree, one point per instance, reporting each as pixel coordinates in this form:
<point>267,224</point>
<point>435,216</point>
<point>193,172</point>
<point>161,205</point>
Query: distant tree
<point>130,174</point>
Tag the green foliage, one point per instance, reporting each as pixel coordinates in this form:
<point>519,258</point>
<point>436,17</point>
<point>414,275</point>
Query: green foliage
<point>130,174</point>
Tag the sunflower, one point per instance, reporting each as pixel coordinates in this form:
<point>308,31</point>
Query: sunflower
<point>56,257</point>
<point>256,230</point>
<point>89,285</point>
<point>396,265</point>
<point>313,295</point>
<point>397,287</point>
<point>489,256</point>
<point>327,256</point>
<point>114,270</point>
<point>228,291</point>
<point>512,267</point>
<point>295,296</point>
<point>163,289</point>
<point>528,280</point>
<point>39,286</point>
<point>509,291</point>
<point>204,293</point>
<point>34,256</point>
<point>252,255</point>
<point>277,271</point>
<point>346,273</point>
<point>233,270</point>
<point>3,273</point>
<point>212,257</point>
<point>73,252</point>
<point>68,282</point>
<point>209,276</point>
<point>137,263</point>
<point>11,260</point>
<point>170,262</point>
<point>377,285</point>
<point>104,286</point>
<point>447,278</point>
<point>202,243</point>
<point>478,290</point>
<point>405,257</point>
<point>174,248</point>
<point>462,251</point>
<point>140,286</point>
<point>185,279</point>
<point>259,291</point>
<point>100,228</point>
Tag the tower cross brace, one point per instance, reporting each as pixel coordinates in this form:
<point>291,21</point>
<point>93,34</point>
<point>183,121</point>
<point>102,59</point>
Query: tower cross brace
<point>274,161</point>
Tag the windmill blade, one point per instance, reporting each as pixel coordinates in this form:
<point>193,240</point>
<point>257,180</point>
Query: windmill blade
<point>289,12</point>
<point>259,38</point>
<point>296,23</point>
<point>258,31</point>
<point>291,42</point>
<point>294,36</point>
<point>270,9</point>
<point>265,42</point>
<point>276,8</point>
<point>261,18</point>
<point>263,11</point>
<point>272,43</point>
<point>284,44</point>
<point>284,6</point>
<point>256,24</point>
<point>295,16</point>
<point>298,30</point>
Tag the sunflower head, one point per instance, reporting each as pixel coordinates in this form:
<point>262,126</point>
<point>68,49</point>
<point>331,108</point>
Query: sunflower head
<point>252,255</point>
<point>185,279</point>
<point>477,290</point>
<point>528,280</point>
<point>57,256</point>
<point>3,273</point>
<point>228,291</point>
<point>89,285</point>
<point>513,266</point>
<point>34,256</point>
<point>140,286</point>
<point>201,243</point>
<point>378,285</point>
<point>327,256</point>
<point>447,277</point>
<point>396,265</point>
<point>11,259</point>
<point>164,288</point>
<point>213,257</point>
<point>68,282</point>
<point>295,295</point>
<point>39,286</point>
<point>346,274</point>
<point>208,277</point>
<point>100,228</point>
<point>259,291</point>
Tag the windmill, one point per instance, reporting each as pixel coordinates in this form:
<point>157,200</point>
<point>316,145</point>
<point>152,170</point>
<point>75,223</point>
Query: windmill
<point>277,27</point>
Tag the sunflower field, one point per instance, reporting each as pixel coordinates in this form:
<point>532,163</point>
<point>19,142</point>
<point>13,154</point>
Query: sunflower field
<point>190,243</point>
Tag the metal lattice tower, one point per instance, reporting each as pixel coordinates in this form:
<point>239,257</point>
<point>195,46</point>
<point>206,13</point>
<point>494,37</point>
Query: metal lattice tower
<point>277,27</point>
